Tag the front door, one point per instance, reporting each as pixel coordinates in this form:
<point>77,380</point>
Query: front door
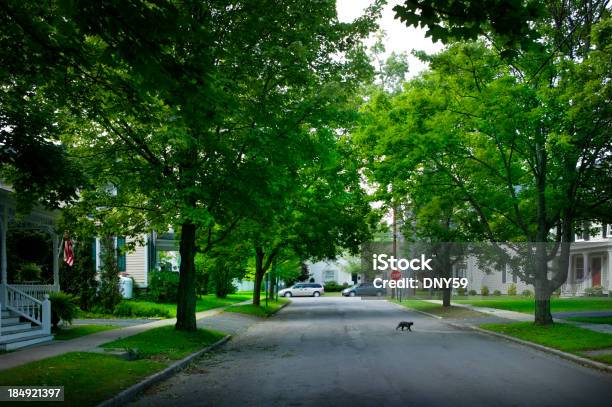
<point>595,271</point>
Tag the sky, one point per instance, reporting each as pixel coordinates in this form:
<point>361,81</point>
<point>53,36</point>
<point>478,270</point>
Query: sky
<point>399,37</point>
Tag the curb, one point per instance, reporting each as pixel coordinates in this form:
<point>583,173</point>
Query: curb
<point>130,393</point>
<point>569,356</point>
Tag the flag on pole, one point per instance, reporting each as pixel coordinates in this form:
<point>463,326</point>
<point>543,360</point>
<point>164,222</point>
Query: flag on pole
<point>68,254</point>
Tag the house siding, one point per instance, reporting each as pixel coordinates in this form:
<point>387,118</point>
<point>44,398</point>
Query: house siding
<point>136,265</point>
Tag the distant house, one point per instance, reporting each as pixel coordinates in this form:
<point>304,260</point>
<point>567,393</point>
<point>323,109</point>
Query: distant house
<point>590,266</point>
<point>331,270</point>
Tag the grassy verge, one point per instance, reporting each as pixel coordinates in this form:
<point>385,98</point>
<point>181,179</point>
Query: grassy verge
<point>166,343</point>
<point>565,337</point>
<point>592,320</point>
<point>90,378</point>
<point>261,311</point>
<point>437,309</point>
<point>76,331</point>
<point>526,305</point>
<point>150,309</point>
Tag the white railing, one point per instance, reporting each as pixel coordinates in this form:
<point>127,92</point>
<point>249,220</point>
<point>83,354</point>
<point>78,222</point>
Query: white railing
<point>37,291</point>
<point>28,307</point>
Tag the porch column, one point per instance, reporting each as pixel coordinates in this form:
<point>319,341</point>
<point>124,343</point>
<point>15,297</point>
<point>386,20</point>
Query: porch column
<point>56,253</point>
<point>3,267</point>
<point>586,279</point>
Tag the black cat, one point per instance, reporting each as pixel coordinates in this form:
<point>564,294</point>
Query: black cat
<point>404,324</point>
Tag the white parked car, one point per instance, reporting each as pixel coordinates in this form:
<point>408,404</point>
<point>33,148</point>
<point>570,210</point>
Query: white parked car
<point>303,290</point>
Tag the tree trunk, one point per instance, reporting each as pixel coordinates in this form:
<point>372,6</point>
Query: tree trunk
<point>272,285</point>
<point>446,297</point>
<point>542,303</point>
<point>186,299</point>
<point>259,255</point>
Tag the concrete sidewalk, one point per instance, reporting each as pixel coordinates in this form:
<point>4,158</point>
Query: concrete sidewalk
<point>520,317</point>
<point>500,313</point>
<point>90,342</point>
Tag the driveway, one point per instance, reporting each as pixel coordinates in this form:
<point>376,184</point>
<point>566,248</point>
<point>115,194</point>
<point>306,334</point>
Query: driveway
<point>333,351</point>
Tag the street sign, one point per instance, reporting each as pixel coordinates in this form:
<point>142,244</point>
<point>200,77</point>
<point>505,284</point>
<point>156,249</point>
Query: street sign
<point>396,275</point>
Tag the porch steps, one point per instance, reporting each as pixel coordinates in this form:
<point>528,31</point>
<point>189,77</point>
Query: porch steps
<point>15,333</point>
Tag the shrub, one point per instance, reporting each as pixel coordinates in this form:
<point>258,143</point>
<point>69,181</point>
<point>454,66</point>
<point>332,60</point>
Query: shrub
<point>595,291</point>
<point>527,293</point>
<point>496,292</point>
<point>461,291</point>
<point>108,293</point>
<point>63,308</point>
<point>163,286</point>
<point>332,286</point>
<point>512,289</point>
<point>136,309</point>
<point>472,292</point>
<point>29,272</point>
<point>484,291</point>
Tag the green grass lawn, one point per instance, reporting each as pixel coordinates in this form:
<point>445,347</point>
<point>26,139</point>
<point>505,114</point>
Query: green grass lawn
<point>90,378</point>
<point>564,337</point>
<point>76,331</point>
<point>526,305</point>
<point>437,309</point>
<point>603,358</point>
<point>261,311</point>
<point>166,342</point>
<point>150,309</point>
<point>592,320</point>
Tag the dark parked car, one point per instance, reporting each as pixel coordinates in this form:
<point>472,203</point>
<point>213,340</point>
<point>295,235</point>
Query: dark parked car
<point>363,290</point>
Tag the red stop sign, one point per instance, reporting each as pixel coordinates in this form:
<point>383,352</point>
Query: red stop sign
<point>396,275</point>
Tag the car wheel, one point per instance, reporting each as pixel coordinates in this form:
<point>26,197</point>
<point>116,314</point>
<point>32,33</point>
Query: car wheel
<point>379,294</point>
<point>352,294</point>
<point>316,294</point>
<point>287,295</point>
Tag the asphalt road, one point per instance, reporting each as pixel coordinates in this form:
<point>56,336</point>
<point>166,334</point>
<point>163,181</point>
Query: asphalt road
<point>345,352</point>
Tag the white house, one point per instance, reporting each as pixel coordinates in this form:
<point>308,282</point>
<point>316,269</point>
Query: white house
<point>331,270</point>
<point>590,266</point>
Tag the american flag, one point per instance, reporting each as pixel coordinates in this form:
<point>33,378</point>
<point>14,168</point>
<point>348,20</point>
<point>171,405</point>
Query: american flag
<point>68,254</point>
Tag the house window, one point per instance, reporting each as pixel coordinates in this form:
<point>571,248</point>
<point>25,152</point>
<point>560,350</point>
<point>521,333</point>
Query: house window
<point>514,278</point>
<point>121,254</point>
<point>579,267</point>
<point>329,275</point>
<point>504,275</point>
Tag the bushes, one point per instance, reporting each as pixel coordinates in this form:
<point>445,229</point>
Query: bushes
<point>512,289</point>
<point>333,287</point>
<point>595,291</point>
<point>30,272</point>
<point>484,291</point>
<point>472,292</point>
<point>63,308</point>
<point>496,293</point>
<point>461,291</point>
<point>527,293</point>
<point>163,286</point>
<point>143,310</point>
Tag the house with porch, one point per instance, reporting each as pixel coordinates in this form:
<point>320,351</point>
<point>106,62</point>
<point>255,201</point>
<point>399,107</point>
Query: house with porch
<point>590,266</point>
<point>25,309</point>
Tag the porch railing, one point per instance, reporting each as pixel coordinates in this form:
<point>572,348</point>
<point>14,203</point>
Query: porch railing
<point>28,307</point>
<point>37,291</point>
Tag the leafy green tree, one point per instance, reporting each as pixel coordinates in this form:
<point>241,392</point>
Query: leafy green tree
<point>173,131</point>
<point>512,148</point>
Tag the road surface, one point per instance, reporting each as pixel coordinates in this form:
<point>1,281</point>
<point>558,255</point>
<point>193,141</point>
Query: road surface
<point>338,351</point>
